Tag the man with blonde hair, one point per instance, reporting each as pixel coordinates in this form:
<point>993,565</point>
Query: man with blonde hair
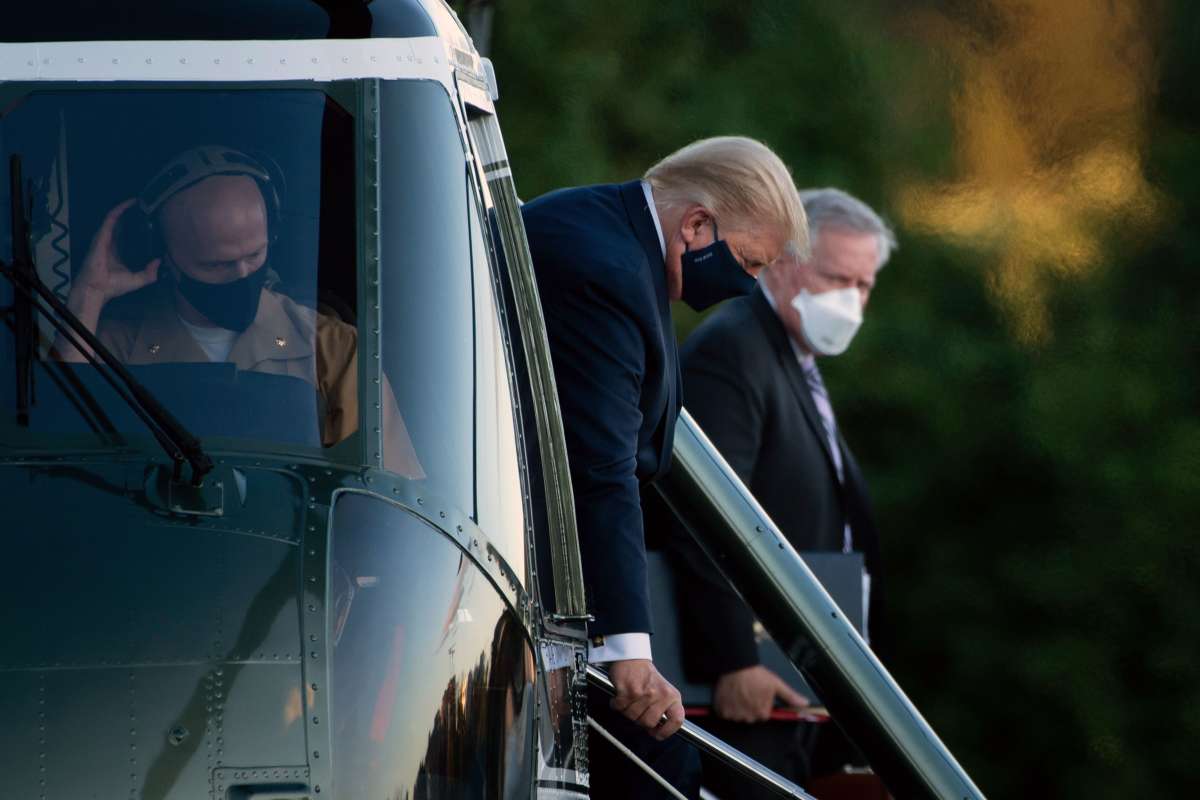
<point>609,260</point>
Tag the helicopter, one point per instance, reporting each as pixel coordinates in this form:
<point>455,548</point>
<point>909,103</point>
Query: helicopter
<point>341,561</point>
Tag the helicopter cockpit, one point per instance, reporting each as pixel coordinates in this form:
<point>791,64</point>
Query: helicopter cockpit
<point>298,266</point>
<point>250,381</point>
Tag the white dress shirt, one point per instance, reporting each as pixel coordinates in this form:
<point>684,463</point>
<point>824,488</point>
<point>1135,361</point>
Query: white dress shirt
<point>662,243</point>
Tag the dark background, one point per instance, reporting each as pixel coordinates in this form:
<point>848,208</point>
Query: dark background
<point>1023,396</point>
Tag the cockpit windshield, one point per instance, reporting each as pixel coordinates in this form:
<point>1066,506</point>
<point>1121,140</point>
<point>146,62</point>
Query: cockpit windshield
<point>224,242</point>
<point>187,230</point>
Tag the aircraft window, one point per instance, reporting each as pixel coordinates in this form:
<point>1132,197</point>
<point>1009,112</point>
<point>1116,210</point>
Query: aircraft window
<point>501,511</point>
<point>191,232</point>
<point>426,328</point>
<point>209,236</point>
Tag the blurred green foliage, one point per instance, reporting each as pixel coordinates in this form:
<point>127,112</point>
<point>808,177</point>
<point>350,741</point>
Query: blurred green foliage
<point>1038,494</point>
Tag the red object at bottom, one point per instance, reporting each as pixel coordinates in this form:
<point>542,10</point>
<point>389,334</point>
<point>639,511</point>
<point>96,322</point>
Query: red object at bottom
<point>847,787</point>
<point>814,714</point>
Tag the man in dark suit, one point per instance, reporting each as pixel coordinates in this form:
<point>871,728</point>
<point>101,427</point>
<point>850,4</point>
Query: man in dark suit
<point>609,259</point>
<point>753,385</point>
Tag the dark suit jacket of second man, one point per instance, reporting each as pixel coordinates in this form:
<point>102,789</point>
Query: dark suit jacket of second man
<point>746,389</point>
<point>601,275</point>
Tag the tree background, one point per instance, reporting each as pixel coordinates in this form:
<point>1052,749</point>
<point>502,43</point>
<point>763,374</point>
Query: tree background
<point>1023,396</point>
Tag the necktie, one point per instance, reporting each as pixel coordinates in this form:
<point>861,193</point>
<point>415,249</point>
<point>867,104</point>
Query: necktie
<point>820,396</point>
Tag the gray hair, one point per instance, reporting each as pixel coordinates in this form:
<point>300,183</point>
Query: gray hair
<point>833,208</point>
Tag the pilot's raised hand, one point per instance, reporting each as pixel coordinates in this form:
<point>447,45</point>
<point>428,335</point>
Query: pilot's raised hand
<point>103,277</point>
<point>644,696</point>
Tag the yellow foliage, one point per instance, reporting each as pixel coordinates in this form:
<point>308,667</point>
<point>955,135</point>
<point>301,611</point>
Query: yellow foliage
<point>1050,119</point>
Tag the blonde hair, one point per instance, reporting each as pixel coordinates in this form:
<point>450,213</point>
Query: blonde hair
<point>740,180</point>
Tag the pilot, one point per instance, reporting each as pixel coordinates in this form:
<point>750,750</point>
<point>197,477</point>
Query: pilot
<point>210,209</point>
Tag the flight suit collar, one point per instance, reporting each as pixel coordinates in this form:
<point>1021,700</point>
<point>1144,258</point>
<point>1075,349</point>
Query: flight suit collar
<point>274,335</point>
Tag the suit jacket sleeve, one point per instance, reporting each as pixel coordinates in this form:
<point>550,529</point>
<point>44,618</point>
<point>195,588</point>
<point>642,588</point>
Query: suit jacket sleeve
<point>599,356</point>
<point>721,393</point>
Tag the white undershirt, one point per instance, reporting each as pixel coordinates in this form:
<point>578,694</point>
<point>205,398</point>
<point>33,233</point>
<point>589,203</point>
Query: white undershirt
<point>624,646</point>
<point>215,342</point>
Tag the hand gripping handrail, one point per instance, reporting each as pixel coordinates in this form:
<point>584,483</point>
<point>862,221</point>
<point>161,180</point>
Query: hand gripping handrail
<point>698,737</point>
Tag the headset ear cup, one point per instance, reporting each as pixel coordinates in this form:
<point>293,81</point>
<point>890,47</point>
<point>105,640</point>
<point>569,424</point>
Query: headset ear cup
<point>274,189</point>
<point>155,242</point>
<point>137,239</point>
<point>274,209</point>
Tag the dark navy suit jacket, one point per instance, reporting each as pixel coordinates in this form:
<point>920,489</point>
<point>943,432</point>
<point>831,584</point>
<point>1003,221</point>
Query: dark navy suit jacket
<point>602,282</point>
<point>747,391</point>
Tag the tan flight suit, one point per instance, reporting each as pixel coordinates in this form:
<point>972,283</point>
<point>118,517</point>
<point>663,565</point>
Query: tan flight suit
<point>286,338</point>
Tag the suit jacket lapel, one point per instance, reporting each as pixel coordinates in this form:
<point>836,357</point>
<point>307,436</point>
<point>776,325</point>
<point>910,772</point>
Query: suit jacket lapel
<point>638,211</point>
<point>778,337</point>
<point>642,223</point>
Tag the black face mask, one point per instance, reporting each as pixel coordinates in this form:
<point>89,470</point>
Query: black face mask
<point>712,275</point>
<point>232,305</point>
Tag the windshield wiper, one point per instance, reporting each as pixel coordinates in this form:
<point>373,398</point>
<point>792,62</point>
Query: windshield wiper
<point>178,442</point>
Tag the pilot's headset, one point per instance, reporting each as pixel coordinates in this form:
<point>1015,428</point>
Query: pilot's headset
<point>139,235</point>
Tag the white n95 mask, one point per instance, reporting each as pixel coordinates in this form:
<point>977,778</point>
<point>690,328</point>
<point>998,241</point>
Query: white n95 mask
<point>829,319</point>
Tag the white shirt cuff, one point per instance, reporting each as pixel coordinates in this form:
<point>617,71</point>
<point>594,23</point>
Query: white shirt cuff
<point>620,647</point>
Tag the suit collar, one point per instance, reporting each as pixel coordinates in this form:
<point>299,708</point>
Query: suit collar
<point>642,222</point>
<point>648,193</point>
<point>781,343</point>
<point>777,335</point>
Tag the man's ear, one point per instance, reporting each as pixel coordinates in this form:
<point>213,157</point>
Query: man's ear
<point>696,218</point>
